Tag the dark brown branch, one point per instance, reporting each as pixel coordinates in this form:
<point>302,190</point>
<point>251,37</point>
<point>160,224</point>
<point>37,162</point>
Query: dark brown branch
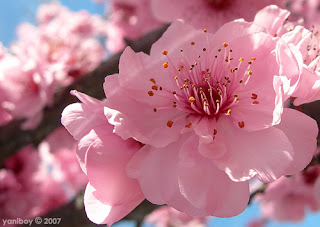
<point>12,138</point>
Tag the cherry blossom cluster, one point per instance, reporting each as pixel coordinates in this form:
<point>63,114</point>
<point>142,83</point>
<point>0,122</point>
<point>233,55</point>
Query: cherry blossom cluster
<point>190,124</point>
<point>46,57</point>
<point>35,181</point>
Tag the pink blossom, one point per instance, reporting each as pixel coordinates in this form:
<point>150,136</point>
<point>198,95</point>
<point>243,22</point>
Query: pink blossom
<point>129,19</point>
<point>167,216</point>
<point>227,92</point>
<point>210,14</point>
<point>304,45</point>
<point>49,11</point>
<point>257,223</point>
<point>19,184</point>
<point>25,90</point>
<point>46,57</point>
<point>65,48</point>
<point>288,198</point>
<point>58,160</point>
<point>103,156</point>
<point>40,181</point>
<point>307,10</point>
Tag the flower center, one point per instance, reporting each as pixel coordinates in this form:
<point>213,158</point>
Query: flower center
<point>207,87</point>
<point>313,50</point>
<point>219,4</point>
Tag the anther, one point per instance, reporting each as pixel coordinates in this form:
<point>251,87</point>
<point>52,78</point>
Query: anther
<point>255,102</point>
<point>225,44</point>
<point>241,124</point>
<point>150,93</point>
<point>249,72</point>
<point>164,52</point>
<point>204,30</point>
<point>192,43</point>
<point>153,81</point>
<point>155,110</point>
<point>165,65</point>
<point>229,111</point>
<point>154,87</point>
<point>204,49</point>
<point>215,131</point>
<point>254,96</point>
<point>241,59</point>
<point>169,124</point>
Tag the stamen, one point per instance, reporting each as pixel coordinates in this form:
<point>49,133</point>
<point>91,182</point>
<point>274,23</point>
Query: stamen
<point>241,124</point>
<point>192,99</point>
<point>254,96</point>
<point>169,124</point>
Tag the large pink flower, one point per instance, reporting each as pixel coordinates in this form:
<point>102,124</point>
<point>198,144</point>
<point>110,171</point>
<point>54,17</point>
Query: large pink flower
<point>210,14</point>
<point>227,97</point>
<point>103,156</point>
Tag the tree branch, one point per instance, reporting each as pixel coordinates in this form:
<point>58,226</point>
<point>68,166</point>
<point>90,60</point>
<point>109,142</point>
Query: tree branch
<point>12,138</point>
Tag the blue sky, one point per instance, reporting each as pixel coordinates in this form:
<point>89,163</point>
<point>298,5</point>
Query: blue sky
<point>13,12</point>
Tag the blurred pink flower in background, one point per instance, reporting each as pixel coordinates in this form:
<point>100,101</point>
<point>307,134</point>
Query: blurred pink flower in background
<point>288,198</point>
<point>168,217</point>
<point>45,58</point>
<point>129,19</point>
<point>40,182</point>
<point>209,14</point>
<point>308,10</point>
<point>26,91</point>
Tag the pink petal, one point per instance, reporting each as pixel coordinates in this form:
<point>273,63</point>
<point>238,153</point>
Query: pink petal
<point>301,130</point>
<point>266,152</point>
<point>106,158</point>
<point>207,187</point>
<point>271,18</point>
<point>101,212</point>
<point>157,172</point>
<point>132,95</point>
<point>80,118</point>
